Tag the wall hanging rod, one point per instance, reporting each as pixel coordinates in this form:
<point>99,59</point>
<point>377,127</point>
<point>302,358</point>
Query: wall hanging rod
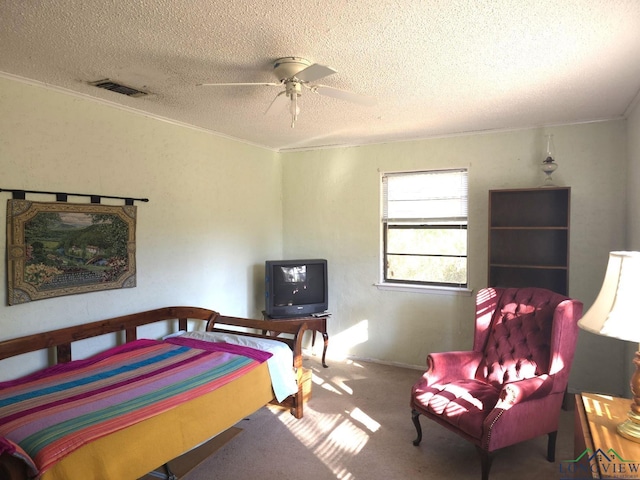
<point>62,196</point>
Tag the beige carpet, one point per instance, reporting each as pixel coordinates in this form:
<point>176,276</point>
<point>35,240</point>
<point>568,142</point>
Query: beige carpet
<point>357,425</point>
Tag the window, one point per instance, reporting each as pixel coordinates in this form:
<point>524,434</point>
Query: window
<point>424,228</point>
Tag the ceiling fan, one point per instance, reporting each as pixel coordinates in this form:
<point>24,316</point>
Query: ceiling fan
<point>293,74</point>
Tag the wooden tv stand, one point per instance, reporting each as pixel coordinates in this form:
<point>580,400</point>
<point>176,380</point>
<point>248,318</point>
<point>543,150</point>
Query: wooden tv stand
<point>314,324</point>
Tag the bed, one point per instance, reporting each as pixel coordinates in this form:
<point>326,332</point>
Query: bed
<point>158,397</point>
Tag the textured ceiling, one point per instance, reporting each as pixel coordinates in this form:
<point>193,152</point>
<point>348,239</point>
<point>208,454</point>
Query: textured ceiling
<point>435,67</point>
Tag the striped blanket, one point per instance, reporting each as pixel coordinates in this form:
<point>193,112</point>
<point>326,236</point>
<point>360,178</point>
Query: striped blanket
<point>51,413</point>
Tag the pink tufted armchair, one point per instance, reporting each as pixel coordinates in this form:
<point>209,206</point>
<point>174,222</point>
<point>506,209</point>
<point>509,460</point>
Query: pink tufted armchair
<point>510,387</point>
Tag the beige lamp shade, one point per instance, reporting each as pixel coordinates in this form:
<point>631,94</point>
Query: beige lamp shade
<point>615,311</point>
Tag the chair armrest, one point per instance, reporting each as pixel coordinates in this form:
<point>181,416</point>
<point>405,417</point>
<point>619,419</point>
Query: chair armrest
<point>523,390</point>
<point>452,365</point>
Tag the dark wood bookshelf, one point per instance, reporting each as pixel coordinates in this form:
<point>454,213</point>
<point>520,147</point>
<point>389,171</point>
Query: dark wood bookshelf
<point>529,238</point>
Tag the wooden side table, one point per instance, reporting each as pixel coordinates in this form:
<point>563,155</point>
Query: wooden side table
<point>315,324</point>
<point>599,450</point>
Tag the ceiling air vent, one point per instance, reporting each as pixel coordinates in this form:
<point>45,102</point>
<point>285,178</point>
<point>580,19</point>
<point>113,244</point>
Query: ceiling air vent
<point>107,84</point>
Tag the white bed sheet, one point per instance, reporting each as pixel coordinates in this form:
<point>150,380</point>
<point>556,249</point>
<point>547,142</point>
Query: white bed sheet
<point>283,377</point>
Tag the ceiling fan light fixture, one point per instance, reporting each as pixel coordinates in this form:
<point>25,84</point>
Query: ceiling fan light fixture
<point>294,109</point>
<point>293,90</point>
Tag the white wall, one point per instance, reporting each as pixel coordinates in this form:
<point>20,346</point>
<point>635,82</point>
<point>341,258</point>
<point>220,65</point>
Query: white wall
<point>633,189</point>
<point>201,240</point>
<point>331,209</point>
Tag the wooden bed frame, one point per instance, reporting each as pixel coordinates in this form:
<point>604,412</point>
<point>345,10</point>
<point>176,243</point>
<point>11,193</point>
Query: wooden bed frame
<point>61,340</point>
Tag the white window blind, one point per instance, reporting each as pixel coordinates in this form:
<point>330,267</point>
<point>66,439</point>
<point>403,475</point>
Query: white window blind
<point>425,197</point>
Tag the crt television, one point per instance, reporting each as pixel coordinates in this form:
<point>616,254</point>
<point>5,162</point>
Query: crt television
<point>295,288</point>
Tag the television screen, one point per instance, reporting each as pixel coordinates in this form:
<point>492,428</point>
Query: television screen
<point>295,287</point>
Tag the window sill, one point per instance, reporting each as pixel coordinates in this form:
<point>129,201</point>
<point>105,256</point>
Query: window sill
<point>430,289</point>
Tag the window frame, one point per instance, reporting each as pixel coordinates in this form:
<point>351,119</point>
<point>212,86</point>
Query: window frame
<point>391,224</point>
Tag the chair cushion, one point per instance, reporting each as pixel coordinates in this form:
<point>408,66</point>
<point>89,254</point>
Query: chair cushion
<point>463,403</point>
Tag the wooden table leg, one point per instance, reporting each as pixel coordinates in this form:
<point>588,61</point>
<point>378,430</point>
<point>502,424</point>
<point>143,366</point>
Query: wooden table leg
<point>325,336</point>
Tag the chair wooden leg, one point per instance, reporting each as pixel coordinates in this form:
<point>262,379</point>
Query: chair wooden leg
<point>415,416</point>
<point>551,446</point>
<point>485,462</point>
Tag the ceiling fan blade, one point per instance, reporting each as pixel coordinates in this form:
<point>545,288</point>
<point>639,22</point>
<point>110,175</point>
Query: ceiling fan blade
<point>278,104</point>
<point>270,84</point>
<point>314,72</point>
<point>344,95</point>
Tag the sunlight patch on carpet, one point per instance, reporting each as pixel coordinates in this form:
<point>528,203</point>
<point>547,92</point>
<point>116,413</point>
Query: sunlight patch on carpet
<point>333,438</point>
<point>361,417</point>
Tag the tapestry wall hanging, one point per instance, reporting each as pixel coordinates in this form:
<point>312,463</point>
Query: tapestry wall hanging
<point>56,249</point>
